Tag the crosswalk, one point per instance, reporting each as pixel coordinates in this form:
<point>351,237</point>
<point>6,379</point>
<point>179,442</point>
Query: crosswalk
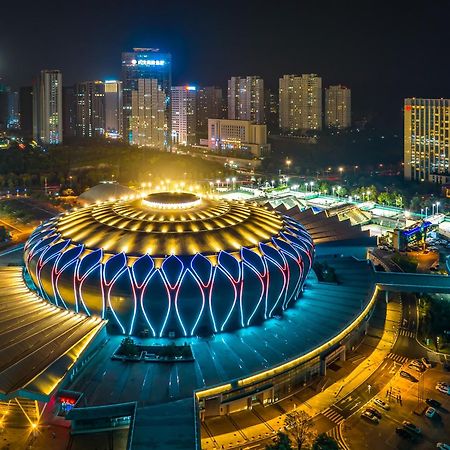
<point>333,415</point>
<point>397,358</point>
<point>334,433</point>
<point>407,333</point>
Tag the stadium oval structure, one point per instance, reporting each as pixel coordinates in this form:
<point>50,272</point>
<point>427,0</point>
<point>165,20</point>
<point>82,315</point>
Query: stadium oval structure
<point>171,264</point>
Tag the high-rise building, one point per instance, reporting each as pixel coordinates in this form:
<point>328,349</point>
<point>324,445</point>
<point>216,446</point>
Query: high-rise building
<point>47,107</point>
<point>426,134</point>
<point>300,98</point>
<point>13,111</point>
<point>26,109</point>
<point>184,120</point>
<point>271,113</point>
<point>338,107</point>
<point>4,106</point>
<point>209,106</point>
<point>148,63</point>
<point>242,135</point>
<point>113,109</point>
<point>148,114</point>
<point>246,98</point>
<point>69,112</point>
<point>90,99</point>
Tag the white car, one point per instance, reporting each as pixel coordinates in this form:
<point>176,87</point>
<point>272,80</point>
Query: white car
<point>381,404</point>
<point>443,446</point>
<point>443,389</point>
<point>430,412</point>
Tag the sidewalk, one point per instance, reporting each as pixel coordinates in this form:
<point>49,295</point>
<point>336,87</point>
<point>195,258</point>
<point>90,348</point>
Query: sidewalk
<point>313,405</point>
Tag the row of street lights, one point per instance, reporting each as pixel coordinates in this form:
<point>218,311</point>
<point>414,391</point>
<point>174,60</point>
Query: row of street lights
<point>433,206</point>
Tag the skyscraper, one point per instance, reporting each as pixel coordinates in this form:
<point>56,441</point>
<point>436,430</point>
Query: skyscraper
<point>113,109</point>
<point>4,106</point>
<point>338,107</point>
<point>246,98</point>
<point>209,106</point>
<point>148,114</point>
<point>184,120</point>
<point>90,108</point>
<point>148,63</point>
<point>26,109</point>
<point>300,103</point>
<point>47,107</point>
<point>426,146</point>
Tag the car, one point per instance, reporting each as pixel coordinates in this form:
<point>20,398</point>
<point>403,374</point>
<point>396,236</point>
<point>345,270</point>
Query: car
<point>433,403</point>
<point>430,412</point>
<point>417,368</point>
<point>443,389</point>
<point>408,376</point>
<point>443,446</point>
<point>403,433</point>
<point>443,383</point>
<point>374,411</point>
<point>370,416</point>
<point>411,427</point>
<point>426,362</point>
<point>381,404</point>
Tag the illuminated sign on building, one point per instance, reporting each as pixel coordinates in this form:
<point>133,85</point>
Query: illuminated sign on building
<point>148,62</point>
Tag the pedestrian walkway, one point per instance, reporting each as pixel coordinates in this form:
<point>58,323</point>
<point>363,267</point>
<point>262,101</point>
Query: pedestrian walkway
<point>333,415</point>
<point>407,333</point>
<point>397,358</point>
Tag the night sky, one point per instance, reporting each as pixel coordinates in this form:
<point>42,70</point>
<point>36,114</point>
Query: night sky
<point>384,51</point>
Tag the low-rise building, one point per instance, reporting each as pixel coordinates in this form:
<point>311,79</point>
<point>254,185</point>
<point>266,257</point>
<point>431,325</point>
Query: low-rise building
<point>243,135</point>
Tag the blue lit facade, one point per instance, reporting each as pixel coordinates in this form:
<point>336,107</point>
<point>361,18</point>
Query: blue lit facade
<point>148,63</point>
<point>173,295</point>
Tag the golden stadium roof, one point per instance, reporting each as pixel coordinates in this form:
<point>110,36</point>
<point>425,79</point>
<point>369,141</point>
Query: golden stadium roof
<point>170,223</point>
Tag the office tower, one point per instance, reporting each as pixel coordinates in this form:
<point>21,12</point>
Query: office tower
<point>4,106</point>
<point>90,107</point>
<point>246,99</point>
<point>26,109</point>
<point>113,109</point>
<point>13,110</point>
<point>209,106</point>
<point>338,107</point>
<point>47,107</point>
<point>184,120</point>
<point>148,114</point>
<point>148,63</point>
<point>271,110</point>
<point>69,112</point>
<point>242,135</point>
<point>426,134</point>
<point>300,103</point>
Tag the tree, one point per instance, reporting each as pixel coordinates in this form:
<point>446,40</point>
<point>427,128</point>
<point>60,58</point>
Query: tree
<point>325,442</point>
<point>282,442</point>
<point>299,424</point>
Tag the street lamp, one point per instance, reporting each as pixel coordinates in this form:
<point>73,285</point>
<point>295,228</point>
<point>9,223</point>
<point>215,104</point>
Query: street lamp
<point>306,187</point>
<point>426,212</point>
<point>311,183</point>
<point>333,188</point>
<point>338,190</point>
<point>288,163</point>
<point>437,207</point>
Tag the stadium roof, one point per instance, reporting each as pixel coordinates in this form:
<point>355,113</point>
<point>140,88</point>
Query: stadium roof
<point>39,342</point>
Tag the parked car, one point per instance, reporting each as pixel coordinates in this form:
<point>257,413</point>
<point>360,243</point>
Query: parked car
<point>443,446</point>
<point>443,389</point>
<point>381,404</point>
<point>443,384</point>
<point>416,367</point>
<point>426,362</point>
<point>374,411</point>
<point>370,416</point>
<point>411,427</point>
<point>403,433</point>
<point>430,412</point>
<point>433,403</point>
<point>408,376</point>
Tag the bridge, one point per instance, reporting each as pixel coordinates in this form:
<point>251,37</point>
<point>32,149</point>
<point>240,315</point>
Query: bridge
<point>413,282</point>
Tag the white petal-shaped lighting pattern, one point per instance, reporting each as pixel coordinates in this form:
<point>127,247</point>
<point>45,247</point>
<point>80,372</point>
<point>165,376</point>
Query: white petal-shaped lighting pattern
<point>196,268</point>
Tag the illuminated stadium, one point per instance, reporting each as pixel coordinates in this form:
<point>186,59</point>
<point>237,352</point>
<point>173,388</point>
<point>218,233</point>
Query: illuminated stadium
<point>171,264</point>
<point>232,291</point>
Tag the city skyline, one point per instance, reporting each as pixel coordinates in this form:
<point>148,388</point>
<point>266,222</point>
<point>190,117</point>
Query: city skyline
<point>361,56</point>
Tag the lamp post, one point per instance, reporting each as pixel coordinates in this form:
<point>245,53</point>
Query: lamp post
<point>426,212</point>
<point>311,183</point>
<point>333,189</point>
<point>306,187</point>
<point>437,207</point>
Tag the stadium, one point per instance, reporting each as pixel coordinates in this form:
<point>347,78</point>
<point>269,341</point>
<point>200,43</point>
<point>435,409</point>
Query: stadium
<point>239,286</point>
<point>171,264</point>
